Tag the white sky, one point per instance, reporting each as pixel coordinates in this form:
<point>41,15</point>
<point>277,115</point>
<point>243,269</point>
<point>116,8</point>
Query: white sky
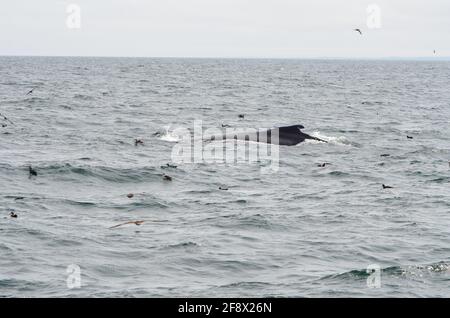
<point>225,28</point>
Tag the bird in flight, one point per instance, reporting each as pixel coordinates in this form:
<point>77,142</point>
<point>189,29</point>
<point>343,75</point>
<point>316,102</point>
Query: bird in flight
<point>126,223</point>
<point>6,118</point>
<point>358,30</point>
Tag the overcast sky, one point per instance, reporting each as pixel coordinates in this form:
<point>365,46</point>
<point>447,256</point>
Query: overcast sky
<point>225,28</point>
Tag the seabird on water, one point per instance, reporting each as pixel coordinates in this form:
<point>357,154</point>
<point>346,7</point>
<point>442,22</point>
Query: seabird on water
<point>387,187</point>
<point>168,165</point>
<point>31,91</point>
<point>33,172</point>
<point>138,142</point>
<point>358,30</point>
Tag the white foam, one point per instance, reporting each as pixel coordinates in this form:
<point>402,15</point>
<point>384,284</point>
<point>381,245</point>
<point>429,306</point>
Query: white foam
<point>170,136</point>
<point>340,140</point>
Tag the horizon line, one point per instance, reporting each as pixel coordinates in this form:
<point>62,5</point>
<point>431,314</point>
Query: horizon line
<point>246,57</point>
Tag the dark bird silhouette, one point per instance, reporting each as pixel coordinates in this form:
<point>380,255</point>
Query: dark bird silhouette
<point>387,187</point>
<point>385,155</point>
<point>126,223</point>
<point>168,165</point>
<point>4,125</point>
<point>31,91</point>
<point>322,165</point>
<point>223,188</point>
<point>138,142</point>
<point>409,137</point>
<point>6,118</point>
<point>13,215</point>
<point>130,195</point>
<point>358,30</point>
<point>33,172</point>
<point>241,116</point>
<point>167,178</point>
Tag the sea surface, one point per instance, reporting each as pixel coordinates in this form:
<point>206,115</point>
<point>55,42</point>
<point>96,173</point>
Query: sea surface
<point>300,231</point>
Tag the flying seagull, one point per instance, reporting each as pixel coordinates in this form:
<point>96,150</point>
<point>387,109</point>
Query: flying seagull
<point>140,222</point>
<point>6,118</point>
<point>358,30</point>
<point>126,223</point>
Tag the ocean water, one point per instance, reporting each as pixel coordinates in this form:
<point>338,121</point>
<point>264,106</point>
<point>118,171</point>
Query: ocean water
<point>301,231</point>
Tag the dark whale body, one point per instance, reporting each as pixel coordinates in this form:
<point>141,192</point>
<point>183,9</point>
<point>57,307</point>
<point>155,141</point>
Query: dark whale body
<point>284,136</point>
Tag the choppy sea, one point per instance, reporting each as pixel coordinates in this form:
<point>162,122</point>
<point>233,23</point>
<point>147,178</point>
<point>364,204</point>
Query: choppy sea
<point>301,231</point>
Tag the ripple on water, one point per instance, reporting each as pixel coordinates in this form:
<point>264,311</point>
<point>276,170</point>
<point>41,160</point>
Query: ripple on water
<point>298,231</point>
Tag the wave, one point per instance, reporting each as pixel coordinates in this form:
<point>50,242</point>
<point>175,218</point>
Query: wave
<point>100,172</point>
<point>169,135</point>
<point>341,140</point>
<point>35,99</point>
<point>182,245</point>
<point>248,285</point>
<point>24,285</point>
<point>408,271</point>
<point>83,97</point>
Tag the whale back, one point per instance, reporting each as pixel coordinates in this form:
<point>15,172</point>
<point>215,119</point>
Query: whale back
<point>290,130</point>
<point>288,136</point>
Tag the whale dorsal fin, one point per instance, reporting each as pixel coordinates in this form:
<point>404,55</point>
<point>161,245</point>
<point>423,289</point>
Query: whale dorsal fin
<point>295,129</point>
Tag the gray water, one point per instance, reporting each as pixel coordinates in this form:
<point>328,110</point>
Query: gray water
<point>303,231</point>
